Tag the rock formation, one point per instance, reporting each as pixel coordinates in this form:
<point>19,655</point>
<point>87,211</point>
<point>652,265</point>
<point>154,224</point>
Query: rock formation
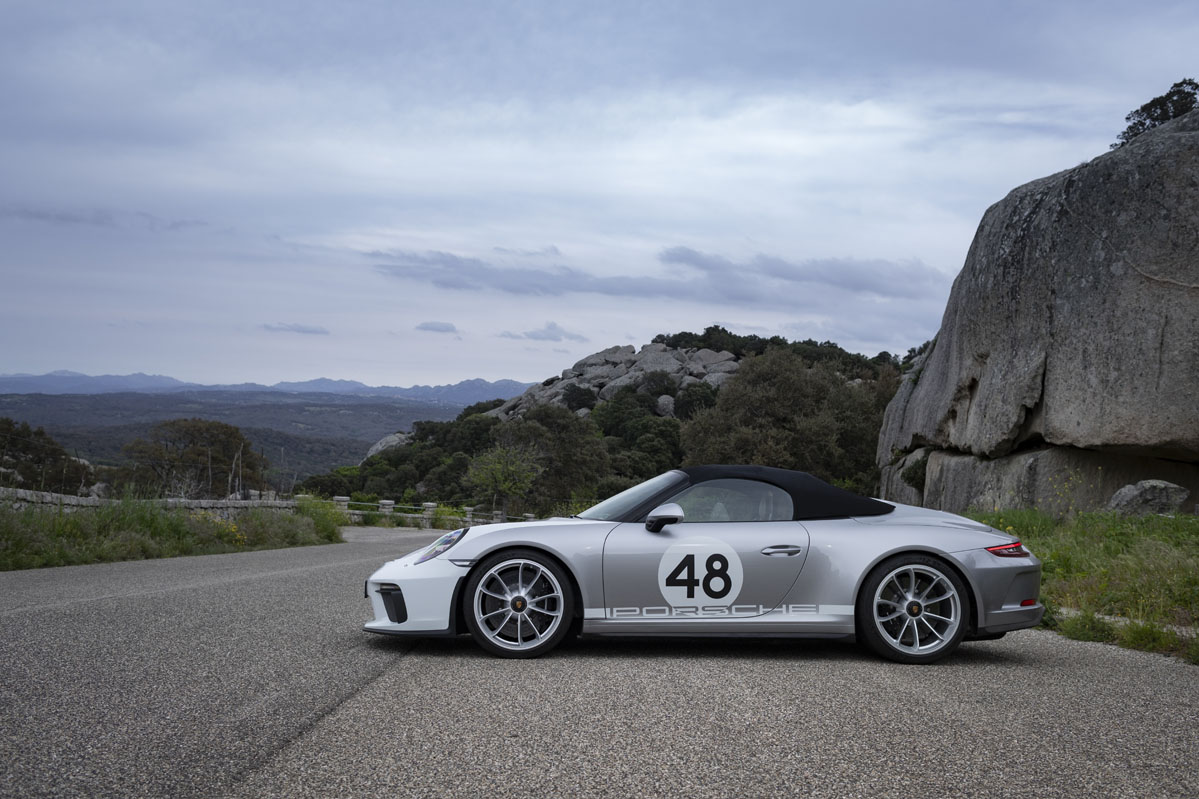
<point>387,442</point>
<point>1067,364</point>
<point>1147,496</point>
<point>606,372</point>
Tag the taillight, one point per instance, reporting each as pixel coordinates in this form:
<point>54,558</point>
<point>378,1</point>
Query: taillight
<point>1016,550</point>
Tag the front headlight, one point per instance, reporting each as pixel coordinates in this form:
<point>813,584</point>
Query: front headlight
<point>442,544</point>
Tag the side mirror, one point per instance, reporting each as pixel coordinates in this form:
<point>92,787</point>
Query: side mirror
<point>659,517</point>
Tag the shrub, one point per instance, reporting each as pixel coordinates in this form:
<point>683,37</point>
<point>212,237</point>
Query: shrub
<point>1148,637</point>
<point>1087,627</point>
<point>914,473</point>
<point>327,519</point>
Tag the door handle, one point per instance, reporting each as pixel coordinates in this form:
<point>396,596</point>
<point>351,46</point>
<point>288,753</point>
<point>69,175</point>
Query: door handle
<point>782,550</point>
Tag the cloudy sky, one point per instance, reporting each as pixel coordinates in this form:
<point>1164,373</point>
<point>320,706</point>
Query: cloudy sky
<point>410,192</point>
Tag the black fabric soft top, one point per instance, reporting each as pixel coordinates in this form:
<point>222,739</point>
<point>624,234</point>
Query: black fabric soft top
<point>813,498</point>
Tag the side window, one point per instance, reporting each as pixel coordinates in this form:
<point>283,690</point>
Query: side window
<point>734,501</point>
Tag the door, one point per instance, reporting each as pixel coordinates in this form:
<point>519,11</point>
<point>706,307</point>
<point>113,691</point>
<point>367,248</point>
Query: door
<point>735,553</point>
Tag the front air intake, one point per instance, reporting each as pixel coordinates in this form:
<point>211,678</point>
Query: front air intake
<point>393,601</point>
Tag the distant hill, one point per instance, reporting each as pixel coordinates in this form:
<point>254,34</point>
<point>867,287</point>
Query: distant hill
<point>302,432</point>
<point>466,392</point>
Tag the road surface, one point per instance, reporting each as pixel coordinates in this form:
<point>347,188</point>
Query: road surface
<point>248,675</point>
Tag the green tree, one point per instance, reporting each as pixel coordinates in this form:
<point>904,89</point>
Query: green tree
<point>504,473</point>
<point>1179,100</point>
<point>577,397</point>
<point>33,460</point>
<point>195,458</point>
<point>693,399</point>
<point>778,411</point>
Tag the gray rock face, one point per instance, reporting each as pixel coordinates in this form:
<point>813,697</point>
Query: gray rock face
<point>1057,480</point>
<point>1074,322</point>
<point>388,442</point>
<point>610,370</point>
<point>1148,496</point>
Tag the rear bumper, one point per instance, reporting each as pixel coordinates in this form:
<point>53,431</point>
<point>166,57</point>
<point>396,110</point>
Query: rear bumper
<point>1007,619</point>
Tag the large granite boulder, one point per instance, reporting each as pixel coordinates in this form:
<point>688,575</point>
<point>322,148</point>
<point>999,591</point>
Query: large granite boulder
<point>1073,325</point>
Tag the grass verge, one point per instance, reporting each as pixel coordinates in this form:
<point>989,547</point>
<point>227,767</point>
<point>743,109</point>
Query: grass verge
<point>133,529</point>
<point>1142,569</point>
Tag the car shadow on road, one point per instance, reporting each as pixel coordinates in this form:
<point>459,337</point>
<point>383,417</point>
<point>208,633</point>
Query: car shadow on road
<point>987,653</point>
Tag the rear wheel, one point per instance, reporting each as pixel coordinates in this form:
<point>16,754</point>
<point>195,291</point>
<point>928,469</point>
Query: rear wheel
<point>518,604</point>
<point>912,609</point>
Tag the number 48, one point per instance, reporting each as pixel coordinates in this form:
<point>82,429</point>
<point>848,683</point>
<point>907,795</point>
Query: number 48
<point>717,566</point>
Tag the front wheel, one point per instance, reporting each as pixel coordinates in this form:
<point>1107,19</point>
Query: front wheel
<point>912,609</point>
<point>518,604</point>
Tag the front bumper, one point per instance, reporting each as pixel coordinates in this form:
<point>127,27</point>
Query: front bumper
<point>411,598</point>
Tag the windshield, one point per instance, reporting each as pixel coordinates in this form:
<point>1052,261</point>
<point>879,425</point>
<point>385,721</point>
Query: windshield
<point>614,509</point>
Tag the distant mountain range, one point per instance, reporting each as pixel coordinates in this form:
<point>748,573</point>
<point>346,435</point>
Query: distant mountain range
<point>466,392</point>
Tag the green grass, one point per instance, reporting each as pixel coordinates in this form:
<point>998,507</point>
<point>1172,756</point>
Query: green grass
<point>134,529</point>
<point>1143,569</point>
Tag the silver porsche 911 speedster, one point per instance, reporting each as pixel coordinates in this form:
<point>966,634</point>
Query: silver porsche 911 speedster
<point>719,550</point>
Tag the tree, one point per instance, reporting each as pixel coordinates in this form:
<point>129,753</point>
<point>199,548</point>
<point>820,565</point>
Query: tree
<point>195,458</point>
<point>504,472</point>
<point>778,411</point>
<point>33,460</point>
<point>693,399</point>
<point>1180,99</point>
<point>577,397</point>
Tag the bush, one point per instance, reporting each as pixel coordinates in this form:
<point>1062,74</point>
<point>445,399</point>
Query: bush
<point>327,519</point>
<point>1087,627</point>
<point>913,474</point>
<point>135,529</point>
<point>1148,637</point>
<point>577,397</point>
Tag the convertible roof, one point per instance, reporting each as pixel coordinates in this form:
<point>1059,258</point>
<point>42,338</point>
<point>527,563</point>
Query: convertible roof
<point>813,498</point>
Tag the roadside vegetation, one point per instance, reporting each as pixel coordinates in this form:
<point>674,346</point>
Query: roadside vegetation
<point>1132,581</point>
<point>801,405</point>
<point>133,529</point>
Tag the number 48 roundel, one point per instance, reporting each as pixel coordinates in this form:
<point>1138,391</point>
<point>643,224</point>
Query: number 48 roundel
<point>700,571</point>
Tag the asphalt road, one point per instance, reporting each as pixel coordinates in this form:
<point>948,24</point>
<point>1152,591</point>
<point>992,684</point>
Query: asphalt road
<point>248,675</point>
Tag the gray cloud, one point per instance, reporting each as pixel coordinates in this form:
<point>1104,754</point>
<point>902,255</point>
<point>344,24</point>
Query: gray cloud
<point>94,217</point>
<point>764,280</point>
<point>294,327</point>
<point>437,327</point>
<point>544,252</point>
<point>99,217</point>
<point>551,332</point>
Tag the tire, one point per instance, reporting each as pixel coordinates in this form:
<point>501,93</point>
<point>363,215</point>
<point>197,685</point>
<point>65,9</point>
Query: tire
<point>518,604</point>
<point>896,618</point>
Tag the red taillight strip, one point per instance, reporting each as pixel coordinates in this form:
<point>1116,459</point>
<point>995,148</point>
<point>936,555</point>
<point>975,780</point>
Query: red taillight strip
<point>1015,550</point>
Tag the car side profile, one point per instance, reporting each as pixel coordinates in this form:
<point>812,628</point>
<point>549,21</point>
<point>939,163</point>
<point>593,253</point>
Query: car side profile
<point>719,551</point>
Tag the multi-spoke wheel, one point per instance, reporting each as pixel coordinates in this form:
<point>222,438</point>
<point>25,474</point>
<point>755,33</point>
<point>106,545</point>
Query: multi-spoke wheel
<point>518,604</point>
<point>912,609</point>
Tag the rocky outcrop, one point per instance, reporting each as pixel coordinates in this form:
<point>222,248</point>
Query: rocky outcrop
<point>387,442</point>
<point>606,372</point>
<point>1073,329</point>
<point>1147,496</point>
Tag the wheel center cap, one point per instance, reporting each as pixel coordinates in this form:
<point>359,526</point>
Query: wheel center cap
<point>519,603</point>
<point>914,609</point>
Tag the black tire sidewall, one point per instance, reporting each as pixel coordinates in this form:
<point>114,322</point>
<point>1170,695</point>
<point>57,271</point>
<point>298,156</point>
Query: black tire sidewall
<point>867,630</point>
<point>546,562</point>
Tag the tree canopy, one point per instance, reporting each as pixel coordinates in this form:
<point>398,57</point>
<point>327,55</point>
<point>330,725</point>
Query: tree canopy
<point>194,459</point>
<point>1180,99</point>
<point>33,460</point>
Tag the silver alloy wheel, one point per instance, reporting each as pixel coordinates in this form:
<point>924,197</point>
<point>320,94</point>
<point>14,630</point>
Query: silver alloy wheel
<point>917,609</point>
<point>518,604</point>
